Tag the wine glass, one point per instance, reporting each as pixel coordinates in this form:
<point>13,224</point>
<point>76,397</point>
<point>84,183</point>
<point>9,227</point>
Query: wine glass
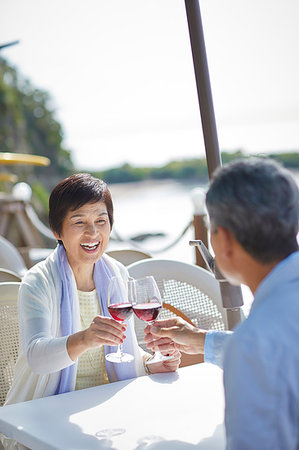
<point>147,305</point>
<point>120,308</point>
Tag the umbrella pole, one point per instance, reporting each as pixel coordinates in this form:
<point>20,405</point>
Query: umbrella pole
<point>203,85</point>
<point>231,295</point>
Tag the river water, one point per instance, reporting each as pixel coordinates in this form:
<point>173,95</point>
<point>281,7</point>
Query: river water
<point>162,209</point>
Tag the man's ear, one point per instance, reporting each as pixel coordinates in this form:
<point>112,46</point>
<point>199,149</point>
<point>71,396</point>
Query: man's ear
<point>225,242</point>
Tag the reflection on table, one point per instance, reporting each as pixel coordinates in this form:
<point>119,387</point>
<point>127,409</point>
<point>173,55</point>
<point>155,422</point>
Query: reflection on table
<point>182,410</point>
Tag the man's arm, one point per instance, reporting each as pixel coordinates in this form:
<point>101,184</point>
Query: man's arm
<point>176,333</point>
<point>215,343</point>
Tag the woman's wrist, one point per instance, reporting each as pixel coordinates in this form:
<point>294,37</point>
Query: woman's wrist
<point>75,345</point>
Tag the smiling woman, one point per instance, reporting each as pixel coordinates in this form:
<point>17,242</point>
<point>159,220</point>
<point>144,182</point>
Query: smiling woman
<point>65,323</point>
<point>81,218</point>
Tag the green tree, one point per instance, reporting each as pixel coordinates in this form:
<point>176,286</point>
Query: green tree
<point>28,125</point>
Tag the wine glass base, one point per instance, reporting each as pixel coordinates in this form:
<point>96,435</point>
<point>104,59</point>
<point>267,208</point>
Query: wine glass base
<point>108,433</point>
<point>122,358</point>
<point>158,357</point>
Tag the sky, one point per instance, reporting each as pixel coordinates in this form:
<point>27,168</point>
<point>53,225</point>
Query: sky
<point>120,74</point>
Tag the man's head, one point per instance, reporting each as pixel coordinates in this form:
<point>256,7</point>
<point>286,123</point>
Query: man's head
<point>257,201</point>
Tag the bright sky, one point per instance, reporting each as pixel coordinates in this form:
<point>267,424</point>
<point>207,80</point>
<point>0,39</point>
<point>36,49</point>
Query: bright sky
<point>121,74</point>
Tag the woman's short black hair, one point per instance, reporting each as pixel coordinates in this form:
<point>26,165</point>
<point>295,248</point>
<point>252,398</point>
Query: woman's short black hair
<point>74,192</point>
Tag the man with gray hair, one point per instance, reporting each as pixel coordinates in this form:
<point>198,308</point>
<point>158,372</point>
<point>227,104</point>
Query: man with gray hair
<point>254,211</point>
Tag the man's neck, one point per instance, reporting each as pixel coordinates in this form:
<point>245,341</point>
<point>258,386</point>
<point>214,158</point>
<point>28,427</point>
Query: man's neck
<point>251,271</point>
<point>257,272</point>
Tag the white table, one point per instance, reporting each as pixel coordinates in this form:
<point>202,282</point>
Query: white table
<point>182,410</point>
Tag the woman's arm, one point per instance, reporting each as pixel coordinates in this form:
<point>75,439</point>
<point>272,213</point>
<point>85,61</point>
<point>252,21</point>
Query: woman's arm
<point>39,319</point>
<point>44,349</point>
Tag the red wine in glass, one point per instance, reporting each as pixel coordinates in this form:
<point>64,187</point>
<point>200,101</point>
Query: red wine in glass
<point>120,311</point>
<point>147,311</point>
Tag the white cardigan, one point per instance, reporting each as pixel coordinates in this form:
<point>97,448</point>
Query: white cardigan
<point>42,350</point>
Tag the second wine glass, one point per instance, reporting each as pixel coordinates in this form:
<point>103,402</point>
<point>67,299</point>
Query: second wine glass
<point>120,308</point>
<point>147,304</point>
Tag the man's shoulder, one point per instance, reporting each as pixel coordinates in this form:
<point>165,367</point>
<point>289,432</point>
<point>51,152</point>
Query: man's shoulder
<point>273,322</point>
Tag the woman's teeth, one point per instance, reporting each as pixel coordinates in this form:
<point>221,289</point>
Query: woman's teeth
<point>91,246</point>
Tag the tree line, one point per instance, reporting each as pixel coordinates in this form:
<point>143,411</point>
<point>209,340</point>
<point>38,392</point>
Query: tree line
<point>187,169</point>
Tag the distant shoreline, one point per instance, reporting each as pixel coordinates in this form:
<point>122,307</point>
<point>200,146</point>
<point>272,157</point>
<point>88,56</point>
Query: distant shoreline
<point>124,189</point>
<point>186,171</point>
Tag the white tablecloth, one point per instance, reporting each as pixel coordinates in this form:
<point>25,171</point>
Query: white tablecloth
<point>182,410</point>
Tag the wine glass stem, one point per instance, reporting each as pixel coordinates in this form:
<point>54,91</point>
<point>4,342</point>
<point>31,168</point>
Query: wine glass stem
<point>157,354</point>
<point>119,352</point>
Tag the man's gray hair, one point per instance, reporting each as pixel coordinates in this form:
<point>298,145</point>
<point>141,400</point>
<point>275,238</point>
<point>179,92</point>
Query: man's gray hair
<point>258,201</point>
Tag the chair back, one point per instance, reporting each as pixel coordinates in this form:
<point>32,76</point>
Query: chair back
<point>187,290</point>
<point>8,275</point>
<point>9,335</point>
<point>128,256</point>
<point>10,258</point>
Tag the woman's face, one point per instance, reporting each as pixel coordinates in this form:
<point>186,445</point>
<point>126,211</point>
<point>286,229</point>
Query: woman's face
<point>85,233</point>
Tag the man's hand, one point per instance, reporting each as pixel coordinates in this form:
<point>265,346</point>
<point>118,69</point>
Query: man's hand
<point>170,334</point>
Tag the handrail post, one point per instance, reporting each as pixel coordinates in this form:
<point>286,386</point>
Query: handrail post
<point>200,222</point>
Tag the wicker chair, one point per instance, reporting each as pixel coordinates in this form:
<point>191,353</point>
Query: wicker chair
<point>188,291</point>
<point>9,335</point>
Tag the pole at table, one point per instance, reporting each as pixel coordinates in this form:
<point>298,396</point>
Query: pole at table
<point>203,85</point>
<point>231,295</point>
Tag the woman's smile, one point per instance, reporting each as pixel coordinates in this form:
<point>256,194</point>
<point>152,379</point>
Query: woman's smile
<point>91,246</point>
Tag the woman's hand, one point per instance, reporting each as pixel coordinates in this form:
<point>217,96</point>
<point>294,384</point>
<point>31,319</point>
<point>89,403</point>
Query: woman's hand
<point>170,365</point>
<point>102,331</point>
